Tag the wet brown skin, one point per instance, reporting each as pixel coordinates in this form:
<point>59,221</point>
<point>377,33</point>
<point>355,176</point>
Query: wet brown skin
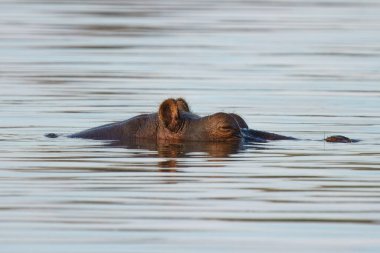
<point>175,122</point>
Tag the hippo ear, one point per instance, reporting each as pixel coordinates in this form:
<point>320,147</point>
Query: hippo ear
<point>168,114</point>
<point>183,105</point>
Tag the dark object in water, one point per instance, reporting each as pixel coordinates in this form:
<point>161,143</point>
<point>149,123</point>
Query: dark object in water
<point>340,139</point>
<point>51,135</point>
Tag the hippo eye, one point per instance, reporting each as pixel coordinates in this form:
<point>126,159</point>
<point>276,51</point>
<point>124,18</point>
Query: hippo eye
<point>226,128</point>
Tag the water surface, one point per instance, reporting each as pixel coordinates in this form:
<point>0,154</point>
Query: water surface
<point>300,68</point>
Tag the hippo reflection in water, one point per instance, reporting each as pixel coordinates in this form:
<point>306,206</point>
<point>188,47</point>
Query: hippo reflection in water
<point>175,122</point>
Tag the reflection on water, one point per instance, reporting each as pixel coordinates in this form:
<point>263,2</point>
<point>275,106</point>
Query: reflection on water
<point>172,151</point>
<point>182,149</point>
<point>301,68</point>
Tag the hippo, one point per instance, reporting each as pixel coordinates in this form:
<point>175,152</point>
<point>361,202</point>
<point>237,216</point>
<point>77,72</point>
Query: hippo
<point>174,122</point>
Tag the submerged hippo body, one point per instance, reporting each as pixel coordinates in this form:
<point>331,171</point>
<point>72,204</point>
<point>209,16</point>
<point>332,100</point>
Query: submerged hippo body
<point>175,122</point>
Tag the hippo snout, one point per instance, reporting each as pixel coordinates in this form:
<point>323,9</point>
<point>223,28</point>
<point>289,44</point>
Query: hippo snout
<point>248,135</point>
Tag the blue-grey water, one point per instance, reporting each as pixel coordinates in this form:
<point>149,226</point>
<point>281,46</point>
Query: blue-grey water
<point>295,67</point>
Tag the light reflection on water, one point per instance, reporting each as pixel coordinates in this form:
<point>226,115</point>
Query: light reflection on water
<point>300,68</point>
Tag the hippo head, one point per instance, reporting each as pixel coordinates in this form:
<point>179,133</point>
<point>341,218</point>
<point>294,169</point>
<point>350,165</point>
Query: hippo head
<point>176,122</point>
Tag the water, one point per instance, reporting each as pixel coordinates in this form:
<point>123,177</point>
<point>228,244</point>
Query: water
<point>300,68</point>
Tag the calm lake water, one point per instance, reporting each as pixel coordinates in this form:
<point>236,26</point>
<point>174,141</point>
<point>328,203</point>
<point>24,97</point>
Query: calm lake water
<point>295,67</point>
